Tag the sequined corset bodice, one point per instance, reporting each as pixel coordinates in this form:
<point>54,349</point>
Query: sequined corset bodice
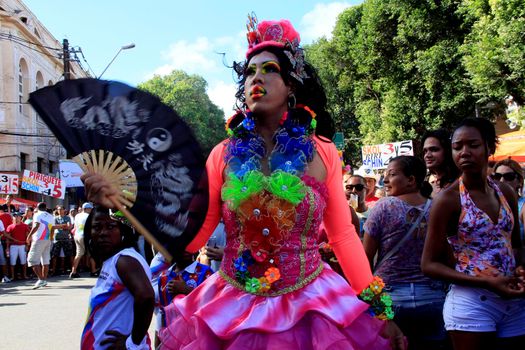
<point>294,253</point>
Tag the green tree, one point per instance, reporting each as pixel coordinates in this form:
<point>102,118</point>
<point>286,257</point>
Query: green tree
<point>494,51</point>
<point>399,65</point>
<point>186,94</point>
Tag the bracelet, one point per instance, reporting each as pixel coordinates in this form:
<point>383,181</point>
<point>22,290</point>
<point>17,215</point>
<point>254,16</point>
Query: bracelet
<point>379,301</point>
<point>130,345</point>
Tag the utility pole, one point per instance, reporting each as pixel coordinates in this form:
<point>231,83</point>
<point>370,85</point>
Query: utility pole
<point>65,56</point>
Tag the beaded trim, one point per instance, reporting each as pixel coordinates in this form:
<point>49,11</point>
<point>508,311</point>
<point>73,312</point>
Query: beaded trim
<point>286,290</point>
<point>306,229</point>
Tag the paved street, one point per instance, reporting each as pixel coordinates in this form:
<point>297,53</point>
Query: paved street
<point>47,318</point>
<point>50,318</point>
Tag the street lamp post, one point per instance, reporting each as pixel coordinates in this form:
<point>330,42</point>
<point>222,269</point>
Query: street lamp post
<point>125,47</point>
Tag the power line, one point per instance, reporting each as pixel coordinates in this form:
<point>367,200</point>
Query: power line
<point>30,42</point>
<point>23,134</point>
<point>27,46</point>
<point>14,102</point>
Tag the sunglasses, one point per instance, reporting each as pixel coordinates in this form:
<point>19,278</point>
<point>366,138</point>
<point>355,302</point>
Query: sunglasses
<point>505,176</point>
<point>358,187</point>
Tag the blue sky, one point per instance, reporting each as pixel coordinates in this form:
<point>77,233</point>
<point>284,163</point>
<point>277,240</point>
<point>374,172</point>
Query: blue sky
<point>175,34</point>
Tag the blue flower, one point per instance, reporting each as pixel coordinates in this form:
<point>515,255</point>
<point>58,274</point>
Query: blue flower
<point>248,258</point>
<point>248,123</point>
<point>285,162</point>
<point>240,265</point>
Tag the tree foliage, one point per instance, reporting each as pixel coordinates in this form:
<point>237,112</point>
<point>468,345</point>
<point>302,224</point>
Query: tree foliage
<point>396,68</point>
<point>186,94</point>
<point>494,51</point>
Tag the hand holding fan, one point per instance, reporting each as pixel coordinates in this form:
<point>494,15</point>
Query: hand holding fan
<point>140,146</point>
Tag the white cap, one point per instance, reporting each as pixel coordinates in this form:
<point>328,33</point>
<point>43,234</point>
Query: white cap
<point>87,205</point>
<point>365,172</point>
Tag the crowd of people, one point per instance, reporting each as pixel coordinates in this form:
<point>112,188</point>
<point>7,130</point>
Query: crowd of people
<point>434,262</point>
<point>49,241</point>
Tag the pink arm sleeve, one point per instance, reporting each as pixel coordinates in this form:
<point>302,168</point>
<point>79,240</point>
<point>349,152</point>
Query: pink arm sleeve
<point>338,222</point>
<point>215,168</point>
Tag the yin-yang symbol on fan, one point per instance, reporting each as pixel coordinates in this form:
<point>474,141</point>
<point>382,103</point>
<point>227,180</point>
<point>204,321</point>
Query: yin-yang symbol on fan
<point>159,139</point>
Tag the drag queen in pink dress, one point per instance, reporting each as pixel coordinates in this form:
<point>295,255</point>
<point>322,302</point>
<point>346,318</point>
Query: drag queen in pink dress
<point>274,180</point>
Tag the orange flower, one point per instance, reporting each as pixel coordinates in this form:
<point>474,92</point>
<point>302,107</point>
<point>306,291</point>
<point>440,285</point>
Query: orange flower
<point>254,207</point>
<point>283,213</point>
<point>272,274</point>
<point>377,285</point>
<point>265,285</point>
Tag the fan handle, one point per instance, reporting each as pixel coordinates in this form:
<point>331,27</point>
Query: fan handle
<point>141,229</point>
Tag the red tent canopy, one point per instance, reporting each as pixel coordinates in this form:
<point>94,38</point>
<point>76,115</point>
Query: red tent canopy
<point>512,145</point>
<point>17,202</point>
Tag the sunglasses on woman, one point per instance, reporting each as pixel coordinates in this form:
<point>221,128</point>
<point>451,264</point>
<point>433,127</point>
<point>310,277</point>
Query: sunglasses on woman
<point>357,187</point>
<point>505,176</point>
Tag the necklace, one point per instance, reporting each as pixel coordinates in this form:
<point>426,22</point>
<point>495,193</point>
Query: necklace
<point>266,205</point>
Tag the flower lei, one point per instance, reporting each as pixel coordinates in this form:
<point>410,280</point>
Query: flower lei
<point>380,302</point>
<point>266,205</point>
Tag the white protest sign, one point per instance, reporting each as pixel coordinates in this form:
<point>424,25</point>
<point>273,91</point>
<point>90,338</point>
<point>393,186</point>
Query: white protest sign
<point>43,184</point>
<point>378,156</point>
<point>70,173</point>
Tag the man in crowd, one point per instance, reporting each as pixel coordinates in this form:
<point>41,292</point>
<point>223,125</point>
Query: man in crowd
<point>8,207</point>
<point>3,261</point>
<point>356,186</point>
<point>62,242</point>
<point>39,237</point>
<point>371,178</point>
<point>80,221</point>
<point>17,235</point>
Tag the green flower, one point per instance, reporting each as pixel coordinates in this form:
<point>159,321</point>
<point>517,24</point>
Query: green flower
<point>386,300</point>
<point>287,186</point>
<point>252,285</point>
<point>236,190</point>
<point>313,124</point>
<point>366,295</point>
<point>389,313</point>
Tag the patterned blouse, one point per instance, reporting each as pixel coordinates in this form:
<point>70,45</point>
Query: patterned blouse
<point>482,247</point>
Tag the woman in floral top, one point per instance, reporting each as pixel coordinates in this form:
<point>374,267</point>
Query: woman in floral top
<point>418,299</point>
<point>472,242</point>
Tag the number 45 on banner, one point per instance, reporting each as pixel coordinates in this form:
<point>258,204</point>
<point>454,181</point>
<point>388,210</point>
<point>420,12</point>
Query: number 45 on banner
<point>8,183</point>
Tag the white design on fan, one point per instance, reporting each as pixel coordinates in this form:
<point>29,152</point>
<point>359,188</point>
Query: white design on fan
<point>115,116</point>
<point>171,185</point>
<point>135,147</point>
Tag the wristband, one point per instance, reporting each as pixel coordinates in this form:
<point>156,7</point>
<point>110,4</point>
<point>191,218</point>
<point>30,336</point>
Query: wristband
<point>380,302</point>
<point>130,345</point>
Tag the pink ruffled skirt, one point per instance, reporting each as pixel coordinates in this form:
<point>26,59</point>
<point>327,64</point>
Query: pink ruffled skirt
<point>325,314</point>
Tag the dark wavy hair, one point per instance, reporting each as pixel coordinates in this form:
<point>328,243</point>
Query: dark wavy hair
<point>486,130</point>
<point>415,166</point>
<point>310,93</point>
<point>129,238</point>
<point>451,170</point>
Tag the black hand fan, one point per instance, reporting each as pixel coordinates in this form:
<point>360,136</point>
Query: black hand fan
<point>139,145</point>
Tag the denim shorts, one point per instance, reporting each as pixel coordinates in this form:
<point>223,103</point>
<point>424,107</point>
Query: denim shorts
<point>418,309</point>
<point>471,309</point>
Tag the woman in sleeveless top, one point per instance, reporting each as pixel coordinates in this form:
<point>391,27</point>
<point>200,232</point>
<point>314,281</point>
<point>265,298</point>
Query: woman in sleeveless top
<point>473,243</point>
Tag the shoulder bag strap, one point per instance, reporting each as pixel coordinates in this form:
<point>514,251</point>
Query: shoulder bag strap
<point>408,234</point>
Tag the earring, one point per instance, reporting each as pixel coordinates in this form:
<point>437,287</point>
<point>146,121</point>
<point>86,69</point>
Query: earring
<point>292,101</point>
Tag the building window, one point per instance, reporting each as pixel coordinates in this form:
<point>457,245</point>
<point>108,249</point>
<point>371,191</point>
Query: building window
<point>20,88</point>
<point>23,88</point>
<point>51,167</point>
<point>23,161</point>
<point>39,165</point>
